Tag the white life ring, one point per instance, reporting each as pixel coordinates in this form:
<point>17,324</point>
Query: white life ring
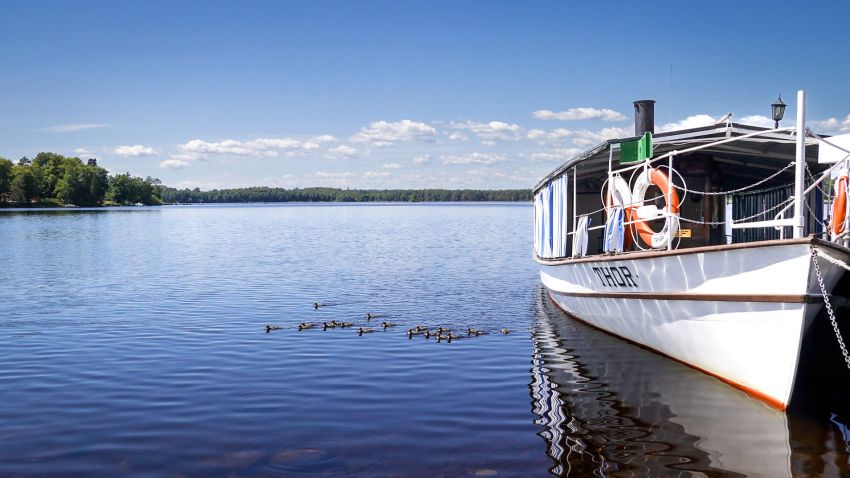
<point>619,194</point>
<point>643,213</point>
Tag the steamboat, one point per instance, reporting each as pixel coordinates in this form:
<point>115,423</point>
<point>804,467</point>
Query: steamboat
<point>717,246</point>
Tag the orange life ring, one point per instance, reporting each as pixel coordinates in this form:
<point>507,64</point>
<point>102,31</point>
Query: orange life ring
<point>839,207</point>
<point>660,179</point>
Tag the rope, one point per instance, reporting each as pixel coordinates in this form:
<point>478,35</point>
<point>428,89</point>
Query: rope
<point>815,254</point>
<point>733,191</point>
<point>833,260</point>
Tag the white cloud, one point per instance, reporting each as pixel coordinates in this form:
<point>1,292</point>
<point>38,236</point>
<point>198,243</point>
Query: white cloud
<point>473,158</point>
<point>344,151</point>
<point>323,138</point>
<point>383,133</point>
<point>831,125</point>
<point>548,137</point>
<point>262,147</point>
<point>491,131</point>
<point>70,128</point>
<point>334,174</point>
<point>392,166</point>
<point>559,155</point>
<point>574,114</point>
<point>695,121</point>
<point>586,137</point>
<point>756,120</point>
<point>376,174</point>
<point>173,164</point>
<point>135,150</point>
<point>456,136</point>
<point>422,159</point>
<point>83,152</point>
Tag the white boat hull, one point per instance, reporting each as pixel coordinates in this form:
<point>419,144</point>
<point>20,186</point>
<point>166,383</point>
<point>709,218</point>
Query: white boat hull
<point>738,313</point>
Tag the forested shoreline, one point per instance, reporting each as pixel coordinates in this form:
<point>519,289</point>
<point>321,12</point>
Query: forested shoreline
<point>267,194</point>
<point>53,180</point>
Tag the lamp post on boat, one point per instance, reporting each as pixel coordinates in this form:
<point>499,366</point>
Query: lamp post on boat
<point>778,110</point>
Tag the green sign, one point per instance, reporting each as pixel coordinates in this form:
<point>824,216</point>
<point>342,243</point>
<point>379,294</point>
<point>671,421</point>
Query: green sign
<point>634,151</point>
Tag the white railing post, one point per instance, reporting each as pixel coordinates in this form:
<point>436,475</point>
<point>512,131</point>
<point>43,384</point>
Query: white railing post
<point>670,202</point>
<point>799,218</point>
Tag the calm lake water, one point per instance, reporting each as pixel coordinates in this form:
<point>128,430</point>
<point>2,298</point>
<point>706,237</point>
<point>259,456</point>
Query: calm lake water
<point>133,343</point>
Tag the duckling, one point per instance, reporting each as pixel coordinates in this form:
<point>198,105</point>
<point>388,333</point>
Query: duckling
<point>305,325</point>
<point>476,332</point>
<point>371,316</point>
<point>342,325</point>
<point>388,324</point>
<point>316,305</point>
<point>363,330</point>
<point>420,329</point>
<point>504,331</point>
<point>440,330</point>
<point>449,337</point>
<point>326,326</point>
<point>269,328</point>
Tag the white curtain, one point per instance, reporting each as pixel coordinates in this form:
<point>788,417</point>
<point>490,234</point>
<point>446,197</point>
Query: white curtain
<point>552,219</point>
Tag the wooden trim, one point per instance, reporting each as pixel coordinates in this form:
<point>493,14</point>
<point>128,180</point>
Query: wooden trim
<point>628,256</point>
<point>767,399</point>
<point>688,296</point>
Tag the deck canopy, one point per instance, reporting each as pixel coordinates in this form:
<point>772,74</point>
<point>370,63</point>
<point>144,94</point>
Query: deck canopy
<point>741,162</point>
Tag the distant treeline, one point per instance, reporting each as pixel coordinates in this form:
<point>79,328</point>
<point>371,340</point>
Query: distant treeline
<point>266,194</point>
<point>51,179</point>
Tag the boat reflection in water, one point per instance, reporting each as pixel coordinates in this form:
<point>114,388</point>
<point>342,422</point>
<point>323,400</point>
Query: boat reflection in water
<point>610,408</point>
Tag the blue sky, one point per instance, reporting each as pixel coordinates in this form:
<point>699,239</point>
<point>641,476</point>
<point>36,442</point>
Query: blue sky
<point>456,94</point>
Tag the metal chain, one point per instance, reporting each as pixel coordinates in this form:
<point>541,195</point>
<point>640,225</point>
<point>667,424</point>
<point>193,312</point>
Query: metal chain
<point>816,218</point>
<point>733,191</point>
<point>740,220</point>
<point>812,179</point>
<point>829,309</point>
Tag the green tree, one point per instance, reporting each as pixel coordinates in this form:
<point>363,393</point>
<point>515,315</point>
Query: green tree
<point>24,185</point>
<point>5,180</point>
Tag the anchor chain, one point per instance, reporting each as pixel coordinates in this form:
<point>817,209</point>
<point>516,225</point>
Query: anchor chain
<point>829,309</point>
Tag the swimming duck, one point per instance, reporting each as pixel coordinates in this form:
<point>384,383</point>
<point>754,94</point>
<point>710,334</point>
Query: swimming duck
<point>342,324</point>
<point>305,325</point>
<point>363,330</point>
<point>449,337</point>
<point>372,316</point>
<point>316,305</point>
<point>504,331</point>
<point>325,325</point>
<point>388,324</point>
<point>472,331</point>
<point>269,328</point>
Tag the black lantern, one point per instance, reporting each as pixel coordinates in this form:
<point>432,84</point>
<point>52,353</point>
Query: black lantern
<point>778,109</point>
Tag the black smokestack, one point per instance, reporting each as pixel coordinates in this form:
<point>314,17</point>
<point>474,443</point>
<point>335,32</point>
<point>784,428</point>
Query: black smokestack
<point>644,117</point>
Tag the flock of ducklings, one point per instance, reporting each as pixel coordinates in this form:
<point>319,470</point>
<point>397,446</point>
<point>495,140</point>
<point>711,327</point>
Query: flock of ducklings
<point>440,333</point>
